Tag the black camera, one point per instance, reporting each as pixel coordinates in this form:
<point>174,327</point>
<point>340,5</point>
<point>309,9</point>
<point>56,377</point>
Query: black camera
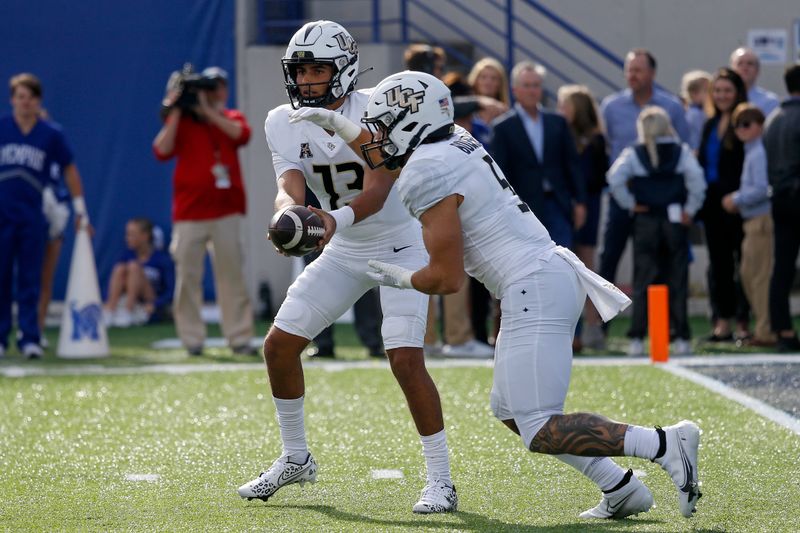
<point>189,83</point>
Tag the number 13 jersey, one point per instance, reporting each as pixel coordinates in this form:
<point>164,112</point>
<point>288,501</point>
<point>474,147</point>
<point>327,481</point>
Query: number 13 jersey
<point>332,170</point>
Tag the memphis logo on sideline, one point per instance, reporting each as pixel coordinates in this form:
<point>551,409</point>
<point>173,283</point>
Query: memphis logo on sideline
<point>86,321</point>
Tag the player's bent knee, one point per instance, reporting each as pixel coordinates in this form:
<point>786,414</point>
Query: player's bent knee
<point>531,427</point>
<point>279,345</point>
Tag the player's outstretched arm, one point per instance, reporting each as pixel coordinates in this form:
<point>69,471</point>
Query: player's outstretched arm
<point>371,199</point>
<point>353,134</point>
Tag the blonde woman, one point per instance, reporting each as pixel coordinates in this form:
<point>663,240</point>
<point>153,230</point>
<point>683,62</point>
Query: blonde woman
<point>577,105</point>
<point>661,183</point>
<point>488,80</point>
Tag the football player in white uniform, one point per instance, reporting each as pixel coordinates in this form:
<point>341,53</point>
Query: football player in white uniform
<point>321,70</point>
<point>472,220</point>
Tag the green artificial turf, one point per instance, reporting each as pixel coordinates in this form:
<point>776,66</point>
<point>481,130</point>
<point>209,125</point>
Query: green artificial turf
<point>67,444</point>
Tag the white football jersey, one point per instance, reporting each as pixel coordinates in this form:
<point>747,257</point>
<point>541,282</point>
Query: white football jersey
<point>332,170</point>
<point>503,239</point>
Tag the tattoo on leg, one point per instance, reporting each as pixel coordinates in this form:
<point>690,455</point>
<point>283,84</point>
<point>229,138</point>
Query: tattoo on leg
<point>584,434</point>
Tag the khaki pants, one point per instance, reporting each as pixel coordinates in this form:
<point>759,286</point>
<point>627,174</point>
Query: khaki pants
<point>756,269</point>
<point>457,324</point>
<point>222,238</point>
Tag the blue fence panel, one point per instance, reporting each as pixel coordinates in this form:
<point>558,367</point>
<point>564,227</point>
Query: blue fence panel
<point>104,66</point>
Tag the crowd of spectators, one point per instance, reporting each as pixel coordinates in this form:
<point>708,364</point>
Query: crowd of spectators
<point>696,159</point>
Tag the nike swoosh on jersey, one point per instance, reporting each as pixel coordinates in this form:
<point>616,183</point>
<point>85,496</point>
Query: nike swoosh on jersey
<point>401,248</point>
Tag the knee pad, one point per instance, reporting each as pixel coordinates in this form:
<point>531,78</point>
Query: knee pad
<point>402,331</point>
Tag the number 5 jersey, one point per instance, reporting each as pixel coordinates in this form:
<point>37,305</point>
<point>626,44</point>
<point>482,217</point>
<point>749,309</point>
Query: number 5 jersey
<point>503,239</point>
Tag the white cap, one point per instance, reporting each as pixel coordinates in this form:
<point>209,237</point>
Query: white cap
<point>215,73</point>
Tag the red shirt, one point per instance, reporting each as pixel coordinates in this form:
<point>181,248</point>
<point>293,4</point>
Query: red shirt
<point>194,192</point>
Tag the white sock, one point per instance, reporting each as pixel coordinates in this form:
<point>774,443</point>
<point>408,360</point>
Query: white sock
<point>434,447</point>
<point>641,442</point>
<point>602,470</point>
<point>293,430</point>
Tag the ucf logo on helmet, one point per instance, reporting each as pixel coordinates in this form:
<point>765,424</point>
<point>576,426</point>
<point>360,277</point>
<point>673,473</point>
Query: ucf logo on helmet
<point>346,43</point>
<point>404,98</point>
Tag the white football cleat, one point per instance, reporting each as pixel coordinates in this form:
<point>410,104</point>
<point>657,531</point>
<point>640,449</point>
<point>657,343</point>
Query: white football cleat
<point>631,498</point>
<point>282,472</point>
<point>680,462</point>
<point>437,497</point>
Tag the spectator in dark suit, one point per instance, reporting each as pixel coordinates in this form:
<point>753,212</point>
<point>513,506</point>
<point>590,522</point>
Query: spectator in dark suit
<point>782,143</point>
<point>537,154</point>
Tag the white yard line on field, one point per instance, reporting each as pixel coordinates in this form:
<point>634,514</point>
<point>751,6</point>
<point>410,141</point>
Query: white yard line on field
<point>776,415</point>
<point>23,370</point>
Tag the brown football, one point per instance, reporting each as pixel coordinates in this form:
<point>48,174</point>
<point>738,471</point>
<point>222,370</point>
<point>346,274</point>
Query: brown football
<point>296,230</point>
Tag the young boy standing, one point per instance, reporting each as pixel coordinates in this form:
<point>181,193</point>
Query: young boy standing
<point>752,202</point>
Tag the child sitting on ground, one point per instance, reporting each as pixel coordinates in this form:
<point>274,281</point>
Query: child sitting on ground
<point>142,281</point>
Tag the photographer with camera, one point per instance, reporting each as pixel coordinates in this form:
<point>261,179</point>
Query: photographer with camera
<point>208,203</point>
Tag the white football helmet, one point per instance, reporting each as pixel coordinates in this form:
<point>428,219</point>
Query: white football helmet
<point>404,110</point>
<point>321,42</point>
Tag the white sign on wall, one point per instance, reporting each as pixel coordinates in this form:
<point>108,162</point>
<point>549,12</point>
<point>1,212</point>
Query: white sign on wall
<point>797,39</point>
<point>770,45</point>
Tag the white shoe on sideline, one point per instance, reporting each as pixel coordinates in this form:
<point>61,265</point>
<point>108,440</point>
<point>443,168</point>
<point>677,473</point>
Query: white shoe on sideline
<point>139,317</point>
<point>681,347</point>
<point>282,472</point>
<point>108,318</point>
<point>636,348</point>
<point>471,349</point>
<point>122,318</point>
<point>437,497</point>
<point>631,498</point>
<point>432,350</point>
<point>593,337</point>
<point>680,462</point>
<point>32,351</point>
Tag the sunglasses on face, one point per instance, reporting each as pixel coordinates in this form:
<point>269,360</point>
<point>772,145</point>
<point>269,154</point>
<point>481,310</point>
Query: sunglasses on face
<point>743,124</point>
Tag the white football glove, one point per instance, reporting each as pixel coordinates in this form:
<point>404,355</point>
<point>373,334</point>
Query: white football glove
<point>390,275</point>
<point>329,120</point>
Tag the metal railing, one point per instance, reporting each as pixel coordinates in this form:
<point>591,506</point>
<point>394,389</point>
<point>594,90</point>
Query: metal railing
<point>507,24</point>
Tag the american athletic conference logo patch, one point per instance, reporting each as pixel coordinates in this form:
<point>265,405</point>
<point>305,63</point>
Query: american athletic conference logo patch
<point>305,151</point>
<point>85,321</point>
